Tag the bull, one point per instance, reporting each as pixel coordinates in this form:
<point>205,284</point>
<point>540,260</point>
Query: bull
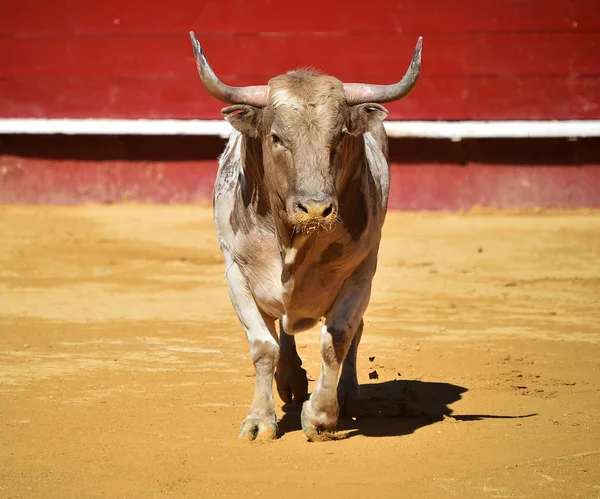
<point>299,202</point>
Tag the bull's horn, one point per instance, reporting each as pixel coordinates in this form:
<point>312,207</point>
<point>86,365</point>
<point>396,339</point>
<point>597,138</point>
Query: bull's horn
<point>253,95</point>
<point>359,93</point>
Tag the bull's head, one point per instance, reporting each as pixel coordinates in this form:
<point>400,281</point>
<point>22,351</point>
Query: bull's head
<point>307,124</point>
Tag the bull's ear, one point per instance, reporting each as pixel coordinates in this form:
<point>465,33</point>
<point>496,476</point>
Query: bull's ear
<point>365,116</point>
<point>245,119</point>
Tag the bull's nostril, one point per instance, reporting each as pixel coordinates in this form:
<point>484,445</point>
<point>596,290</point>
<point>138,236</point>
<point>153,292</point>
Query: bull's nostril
<point>302,207</point>
<point>327,211</point>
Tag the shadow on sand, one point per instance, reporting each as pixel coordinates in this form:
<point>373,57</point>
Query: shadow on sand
<point>393,408</point>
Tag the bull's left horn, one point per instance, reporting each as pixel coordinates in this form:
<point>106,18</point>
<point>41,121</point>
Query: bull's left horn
<point>359,93</point>
<point>252,95</point>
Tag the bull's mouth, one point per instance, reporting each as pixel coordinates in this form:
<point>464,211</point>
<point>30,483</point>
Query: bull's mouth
<point>304,225</point>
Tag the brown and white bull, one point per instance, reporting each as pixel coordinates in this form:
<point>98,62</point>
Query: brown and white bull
<point>299,202</point>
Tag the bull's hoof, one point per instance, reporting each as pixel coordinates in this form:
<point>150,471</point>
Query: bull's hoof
<point>292,384</point>
<point>259,428</point>
<point>318,426</point>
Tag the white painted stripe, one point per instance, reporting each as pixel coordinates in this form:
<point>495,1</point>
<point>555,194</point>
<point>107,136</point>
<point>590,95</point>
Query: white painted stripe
<point>457,130</point>
<point>454,130</point>
<point>99,126</point>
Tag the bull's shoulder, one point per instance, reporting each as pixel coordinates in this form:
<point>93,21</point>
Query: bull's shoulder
<point>230,166</point>
<point>224,193</point>
<point>376,149</point>
<point>241,211</point>
<point>363,203</point>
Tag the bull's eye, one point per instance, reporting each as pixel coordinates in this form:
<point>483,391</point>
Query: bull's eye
<point>276,139</point>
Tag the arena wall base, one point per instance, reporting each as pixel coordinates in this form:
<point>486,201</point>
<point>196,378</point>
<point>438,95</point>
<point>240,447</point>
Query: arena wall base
<point>427,174</point>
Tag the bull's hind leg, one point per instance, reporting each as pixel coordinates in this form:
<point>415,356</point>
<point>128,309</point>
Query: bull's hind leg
<point>342,323</point>
<point>290,377</point>
<point>264,350</point>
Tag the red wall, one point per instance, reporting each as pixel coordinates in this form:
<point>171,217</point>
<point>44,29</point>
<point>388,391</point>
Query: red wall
<point>483,59</point>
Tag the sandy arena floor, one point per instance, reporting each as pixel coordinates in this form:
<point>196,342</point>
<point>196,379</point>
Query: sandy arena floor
<point>124,372</point>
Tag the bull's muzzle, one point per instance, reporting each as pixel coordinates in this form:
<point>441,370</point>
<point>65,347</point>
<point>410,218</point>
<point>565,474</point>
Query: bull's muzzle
<point>308,214</point>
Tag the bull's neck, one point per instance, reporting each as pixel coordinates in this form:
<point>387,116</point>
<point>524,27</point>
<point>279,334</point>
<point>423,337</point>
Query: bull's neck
<point>352,163</point>
<point>253,192</point>
<point>253,167</point>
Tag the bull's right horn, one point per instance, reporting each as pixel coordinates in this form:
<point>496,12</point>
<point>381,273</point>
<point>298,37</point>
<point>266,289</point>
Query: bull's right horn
<point>252,95</point>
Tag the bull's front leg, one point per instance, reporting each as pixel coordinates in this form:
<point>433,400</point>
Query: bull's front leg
<point>342,323</point>
<point>348,388</point>
<point>260,331</point>
<point>292,384</point>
